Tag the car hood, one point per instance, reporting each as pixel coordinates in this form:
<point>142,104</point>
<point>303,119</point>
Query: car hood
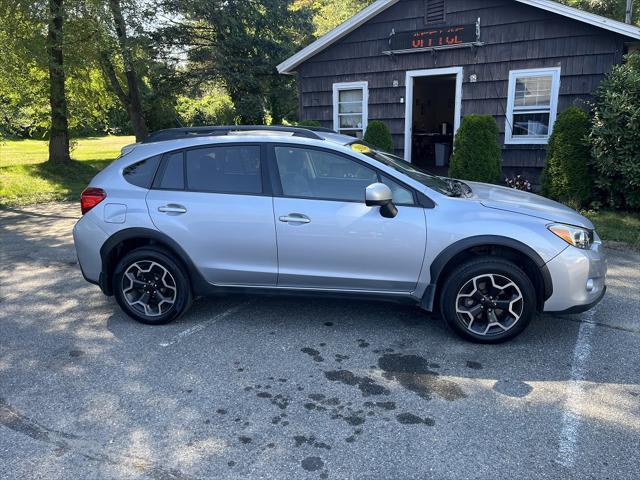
<point>517,201</point>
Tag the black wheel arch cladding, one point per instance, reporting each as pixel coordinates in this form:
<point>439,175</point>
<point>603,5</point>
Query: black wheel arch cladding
<point>110,254</point>
<point>489,241</point>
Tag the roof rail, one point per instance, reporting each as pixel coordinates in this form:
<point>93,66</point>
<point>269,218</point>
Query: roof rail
<point>187,132</point>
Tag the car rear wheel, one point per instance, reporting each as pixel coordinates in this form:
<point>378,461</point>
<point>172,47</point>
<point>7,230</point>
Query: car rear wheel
<point>151,287</point>
<point>488,300</point>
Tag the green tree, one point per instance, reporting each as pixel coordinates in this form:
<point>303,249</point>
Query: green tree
<point>130,97</point>
<point>608,8</point>
<point>378,135</point>
<point>328,14</point>
<point>567,176</point>
<point>42,51</point>
<point>209,105</point>
<point>24,72</point>
<point>238,44</point>
<point>123,47</point>
<point>59,133</point>
<point>476,152</point>
<point>24,79</point>
<point>615,136</point>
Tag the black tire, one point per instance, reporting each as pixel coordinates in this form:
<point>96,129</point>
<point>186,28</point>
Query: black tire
<point>487,272</point>
<point>156,259</point>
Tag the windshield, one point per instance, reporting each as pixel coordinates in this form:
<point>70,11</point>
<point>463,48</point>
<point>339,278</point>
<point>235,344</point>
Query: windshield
<point>439,184</point>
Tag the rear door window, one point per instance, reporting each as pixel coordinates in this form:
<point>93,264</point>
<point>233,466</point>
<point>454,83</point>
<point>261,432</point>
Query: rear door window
<point>173,175</point>
<point>225,169</point>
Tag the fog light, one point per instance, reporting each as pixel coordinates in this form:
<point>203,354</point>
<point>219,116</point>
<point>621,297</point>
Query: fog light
<point>590,285</point>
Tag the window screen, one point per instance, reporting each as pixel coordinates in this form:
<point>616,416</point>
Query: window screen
<point>141,173</point>
<point>173,176</point>
<point>225,169</point>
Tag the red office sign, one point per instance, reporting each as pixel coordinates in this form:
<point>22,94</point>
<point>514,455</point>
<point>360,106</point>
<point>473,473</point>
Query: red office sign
<point>434,38</point>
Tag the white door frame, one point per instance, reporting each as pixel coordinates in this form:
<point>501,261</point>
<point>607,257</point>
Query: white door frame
<point>408,113</point>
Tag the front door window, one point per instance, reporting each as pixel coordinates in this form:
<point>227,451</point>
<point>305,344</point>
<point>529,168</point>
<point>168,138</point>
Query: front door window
<point>318,174</point>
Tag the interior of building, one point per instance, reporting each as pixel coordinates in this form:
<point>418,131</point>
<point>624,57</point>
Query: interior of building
<point>433,117</point>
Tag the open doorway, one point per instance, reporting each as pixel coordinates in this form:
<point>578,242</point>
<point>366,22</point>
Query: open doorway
<point>433,107</point>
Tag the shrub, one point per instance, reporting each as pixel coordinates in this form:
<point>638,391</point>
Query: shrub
<point>476,152</point>
<point>566,176</point>
<point>519,183</point>
<point>379,136</point>
<point>309,123</point>
<point>615,136</point>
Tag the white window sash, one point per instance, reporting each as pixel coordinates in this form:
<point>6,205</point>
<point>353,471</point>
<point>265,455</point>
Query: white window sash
<point>337,88</point>
<point>551,109</point>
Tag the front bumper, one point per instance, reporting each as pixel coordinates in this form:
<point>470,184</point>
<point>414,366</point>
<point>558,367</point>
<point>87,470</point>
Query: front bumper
<point>578,278</point>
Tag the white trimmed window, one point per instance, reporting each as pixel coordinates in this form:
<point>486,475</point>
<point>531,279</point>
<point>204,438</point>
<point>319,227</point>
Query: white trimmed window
<point>350,108</point>
<point>532,105</point>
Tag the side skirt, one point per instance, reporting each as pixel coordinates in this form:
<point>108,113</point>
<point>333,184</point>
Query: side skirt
<point>393,297</point>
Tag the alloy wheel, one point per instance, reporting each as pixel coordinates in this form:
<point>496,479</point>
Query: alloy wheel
<point>489,304</point>
<point>149,288</point>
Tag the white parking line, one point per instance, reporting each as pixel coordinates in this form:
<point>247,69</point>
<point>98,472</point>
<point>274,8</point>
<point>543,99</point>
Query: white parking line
<point>201,326</point>
<point>567,449</point>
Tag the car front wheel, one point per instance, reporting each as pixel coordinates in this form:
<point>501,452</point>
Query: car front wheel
<point>151,287</point>
<point>488,300</point>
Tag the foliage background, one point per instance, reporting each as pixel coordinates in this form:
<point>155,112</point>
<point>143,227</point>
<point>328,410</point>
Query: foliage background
<point>566,176</point>
<point>615,137</point>
<point>181,50</point>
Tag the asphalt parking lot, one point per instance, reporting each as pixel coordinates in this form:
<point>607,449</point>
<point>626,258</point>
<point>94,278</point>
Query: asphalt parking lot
<point>276,388</point>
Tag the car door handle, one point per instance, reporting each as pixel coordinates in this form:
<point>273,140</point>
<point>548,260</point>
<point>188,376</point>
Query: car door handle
<point>295,218</point>
<point>172,208</point>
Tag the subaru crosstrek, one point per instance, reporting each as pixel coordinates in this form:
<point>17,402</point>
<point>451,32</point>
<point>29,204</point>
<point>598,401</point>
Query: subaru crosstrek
<point>196,211</point>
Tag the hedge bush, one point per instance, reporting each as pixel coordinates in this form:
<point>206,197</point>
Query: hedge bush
<point>615,136</point>
<point>378,135</point>
<point>309,123</point>
<point>566,176</point>
<point>476,152</point>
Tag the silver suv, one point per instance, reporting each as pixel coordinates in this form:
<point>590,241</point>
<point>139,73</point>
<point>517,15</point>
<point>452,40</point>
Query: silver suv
<point>196,211</point>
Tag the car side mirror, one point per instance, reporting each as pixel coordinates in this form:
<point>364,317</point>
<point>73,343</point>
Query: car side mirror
<point>379,195</point>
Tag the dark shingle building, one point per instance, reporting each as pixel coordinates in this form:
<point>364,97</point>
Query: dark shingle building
<point>422,65</point>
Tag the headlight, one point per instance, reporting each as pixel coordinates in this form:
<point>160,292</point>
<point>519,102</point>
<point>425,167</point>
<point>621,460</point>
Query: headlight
<point>576,236</point>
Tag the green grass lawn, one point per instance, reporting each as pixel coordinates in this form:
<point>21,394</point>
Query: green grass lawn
<point>26,178</point>
<point>617,226</point>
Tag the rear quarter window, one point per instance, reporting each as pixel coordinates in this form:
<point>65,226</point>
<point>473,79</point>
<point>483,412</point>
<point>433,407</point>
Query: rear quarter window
<point>141,173</point>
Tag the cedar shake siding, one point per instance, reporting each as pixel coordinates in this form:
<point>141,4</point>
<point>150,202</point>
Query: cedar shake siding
<point>515,37</point>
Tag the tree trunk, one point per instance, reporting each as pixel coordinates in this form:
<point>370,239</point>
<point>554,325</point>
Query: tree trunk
<point>59,136</point>
<point>133,104</point>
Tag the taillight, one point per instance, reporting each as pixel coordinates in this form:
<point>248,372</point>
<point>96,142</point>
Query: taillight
<point>90,198</point>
